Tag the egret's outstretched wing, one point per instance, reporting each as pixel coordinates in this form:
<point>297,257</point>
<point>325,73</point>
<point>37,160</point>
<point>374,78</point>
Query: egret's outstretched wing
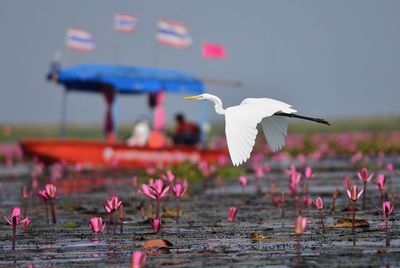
<point>275,131</point>
<point>241,126</point>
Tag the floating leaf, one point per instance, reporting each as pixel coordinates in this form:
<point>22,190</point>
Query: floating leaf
<point>159,243</point>
<point>169,213</point>
<point>256,237</point>
<point>348,223</point>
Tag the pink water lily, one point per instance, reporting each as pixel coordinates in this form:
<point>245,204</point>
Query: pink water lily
<point>353,194</point>
<point>232,214</point>
<point>179,190</point>
<point>380,182</point>
<point>169,177</point>
<point>14,220</point>
<point>138,259</point>
<point>387,208</point>
<point>308,173</point>
<point>156,224</point>
<point>319,203</point>
<point>51,191</point>
<point>97,225</point>
<point>300,225</point>
<point>347,182</point>
<point>43,196</point>
<point>364,176</point>
<point>112,204</point>
<point>156,190</point>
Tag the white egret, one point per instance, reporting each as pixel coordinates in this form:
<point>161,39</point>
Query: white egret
<point>241,123</point>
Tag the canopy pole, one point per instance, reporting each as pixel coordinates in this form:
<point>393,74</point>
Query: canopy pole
<point>202,121</point>
<point>63,122</point>
<point>116,110</point>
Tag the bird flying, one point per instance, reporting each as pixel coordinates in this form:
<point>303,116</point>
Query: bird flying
<point>241,123</point>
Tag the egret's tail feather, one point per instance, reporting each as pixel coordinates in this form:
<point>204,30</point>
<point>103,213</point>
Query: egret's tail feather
<point>318,120</point>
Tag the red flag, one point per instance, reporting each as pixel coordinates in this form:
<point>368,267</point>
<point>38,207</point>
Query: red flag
<point>213,51</point>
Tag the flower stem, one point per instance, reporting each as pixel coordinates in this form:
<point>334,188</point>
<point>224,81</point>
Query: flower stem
<point>158,209</point>
<point>365,194</point>
<point>322,220</point>
<point>14,236</point>
<point>177,209</point>
<point>354,217</point>
<point>53,212</point>
<point>115,222</point>
<point>47,212</point>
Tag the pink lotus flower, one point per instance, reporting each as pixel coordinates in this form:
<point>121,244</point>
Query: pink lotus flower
<point>43,196</point>
<point>364,176</point>
<point>169,177</point>
<point>243,181</point>
<point>157,190</point>
<point>138,259</point>
<point>352,193</point>
<point>319,203</point>
<point>308,173</point>
<point>347,182</point>
<point>389,167</point>
<point>179,189</point>
<point>232,214</point>
<point>97,225</point>
<point>387,208</point>
<point>380,182</point>
<point>112,204</point>
<point>300,225</point>
<point>50,190</point>
<point>276,200</point>
<point>156,224</point>
<point>15,220</point>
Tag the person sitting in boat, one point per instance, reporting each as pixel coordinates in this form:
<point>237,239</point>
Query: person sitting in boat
<point>140,133</point>
<point>186,133</point>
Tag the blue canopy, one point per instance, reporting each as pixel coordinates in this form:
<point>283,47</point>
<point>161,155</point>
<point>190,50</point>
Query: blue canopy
<point>126,79</point>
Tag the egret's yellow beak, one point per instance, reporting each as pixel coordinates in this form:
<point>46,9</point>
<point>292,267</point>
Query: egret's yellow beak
<point>193,97</point>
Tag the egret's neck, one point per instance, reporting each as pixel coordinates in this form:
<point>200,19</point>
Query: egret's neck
<point>217,105</point>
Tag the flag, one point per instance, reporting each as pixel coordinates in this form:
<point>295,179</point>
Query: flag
<point>125,23</point>
<point>79,39</point>
<point>213,51</point>
<point>173,34</point>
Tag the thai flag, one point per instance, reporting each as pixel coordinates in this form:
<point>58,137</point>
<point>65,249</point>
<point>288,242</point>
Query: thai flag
<point>78,39</point>
<point>173,34</point>
<point>125,22</point>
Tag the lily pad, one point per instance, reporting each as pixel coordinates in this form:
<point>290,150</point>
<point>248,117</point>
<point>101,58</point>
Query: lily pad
<point>169,213</point>
<point>256,237</point>
<point>348,223</point>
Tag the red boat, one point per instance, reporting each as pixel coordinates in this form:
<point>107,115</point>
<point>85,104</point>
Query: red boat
<point>95,154</point>
<point>112,81</point>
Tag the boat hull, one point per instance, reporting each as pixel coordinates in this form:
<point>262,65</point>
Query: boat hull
<point>103,154</point>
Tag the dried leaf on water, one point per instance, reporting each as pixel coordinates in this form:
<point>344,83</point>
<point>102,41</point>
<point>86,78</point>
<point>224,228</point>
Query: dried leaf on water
<point>160,243</point>
<point>256,237</point>
<point>347,223</point>
<point>169,213</point>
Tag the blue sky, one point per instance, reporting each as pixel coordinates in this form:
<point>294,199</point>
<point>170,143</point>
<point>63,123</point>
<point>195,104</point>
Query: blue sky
<point>327,58</point>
